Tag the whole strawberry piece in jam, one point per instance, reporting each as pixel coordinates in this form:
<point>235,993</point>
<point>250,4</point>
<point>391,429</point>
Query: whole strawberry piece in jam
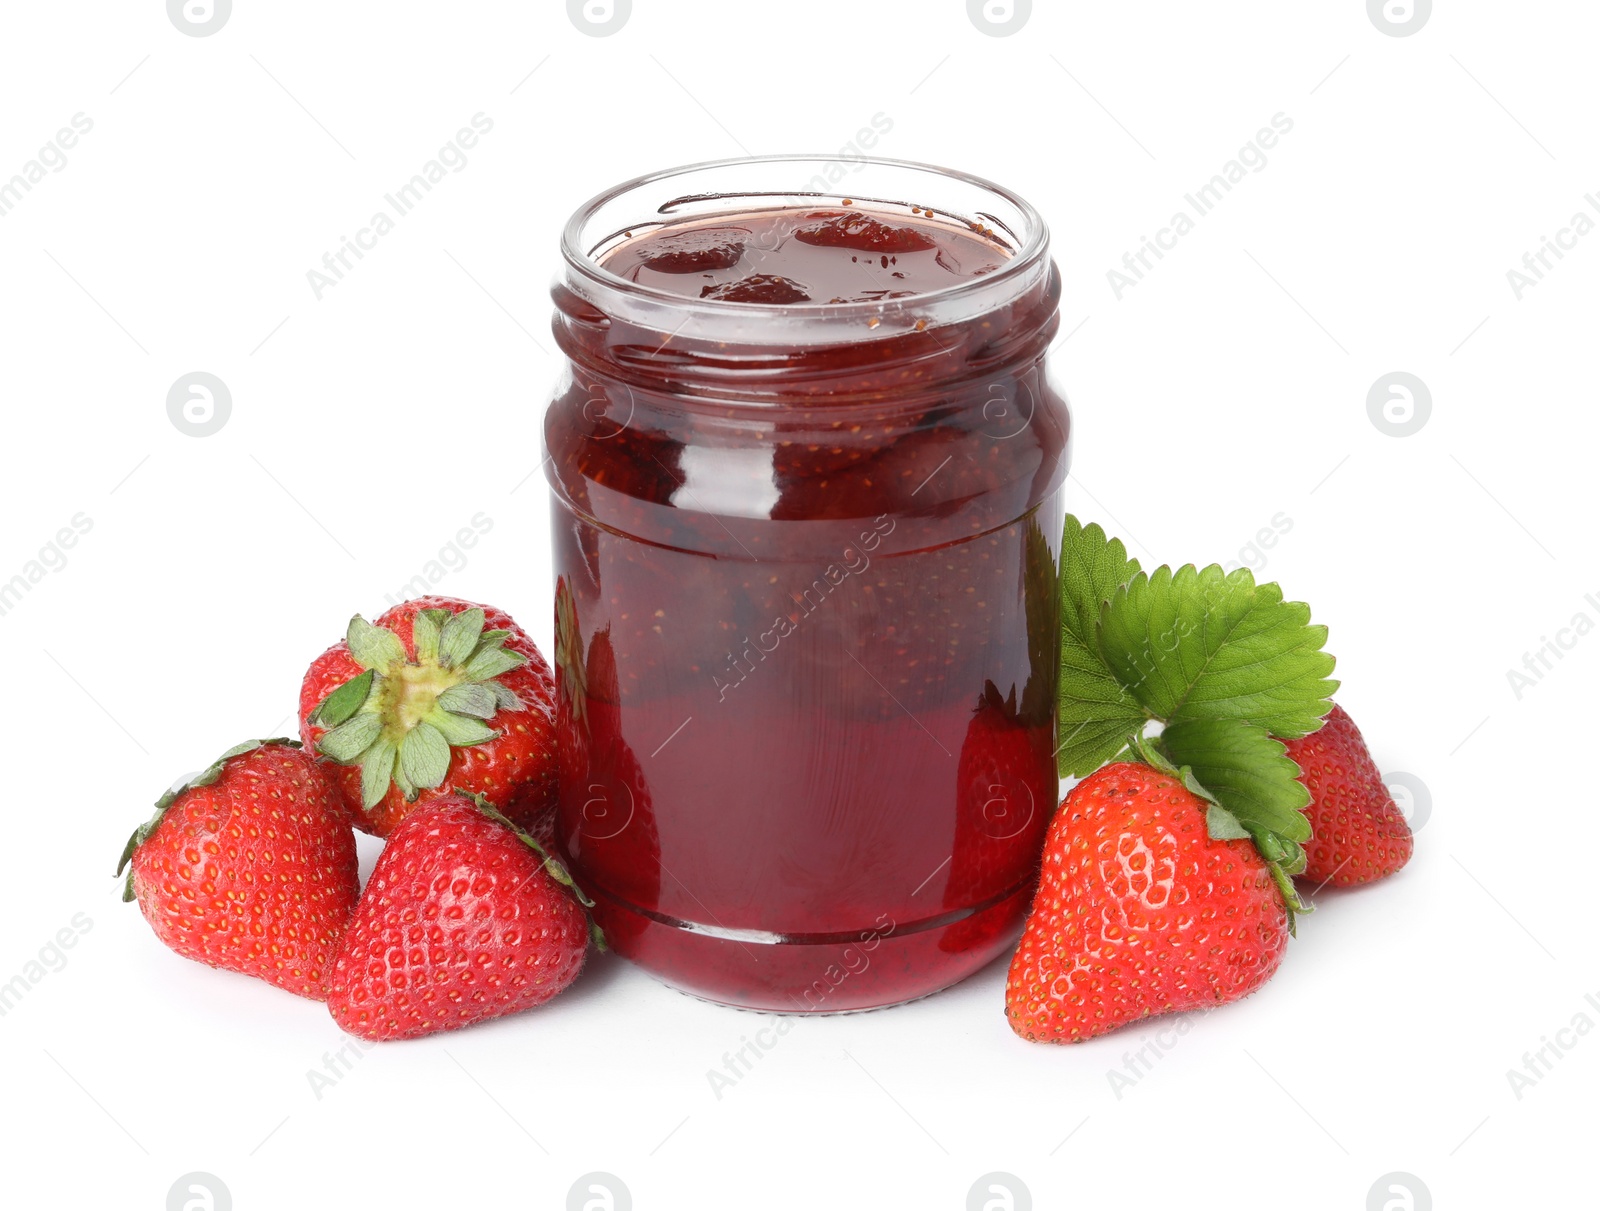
<point>250,867</point>
<point>1140,912</point>
<point>758,288</point>
<point>465,918</point>
<point>695,251</point>
<point>439,692</point>
<point>862,233</point>
<point>1358,834</point>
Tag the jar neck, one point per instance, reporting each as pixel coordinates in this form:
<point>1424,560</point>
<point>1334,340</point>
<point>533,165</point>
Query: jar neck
<point>901,352</point>
<point>763,353</point>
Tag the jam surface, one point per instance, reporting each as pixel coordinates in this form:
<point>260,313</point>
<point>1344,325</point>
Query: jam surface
<point>806,637</point>
<point>807,256</point>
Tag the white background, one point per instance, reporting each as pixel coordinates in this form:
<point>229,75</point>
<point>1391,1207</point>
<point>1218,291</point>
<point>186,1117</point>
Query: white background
<point>1228,387</point>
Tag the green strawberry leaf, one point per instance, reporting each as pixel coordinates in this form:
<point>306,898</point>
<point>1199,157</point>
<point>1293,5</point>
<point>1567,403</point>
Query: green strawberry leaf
<point>424,757</point>
<point>491,662</point>
<point>1223,825</point>
<point>344,702</point>
<point>350,739</point>
<point>377,770</point>
<point>475,698</point>
<point>425,628</point>
<point>459,637</point>
<point>1096,713</point>
<point>374,647</point>
<point>1245,770</point>
<point>460,731</point>
<point>1253,789</point>
<point>1197,646</point>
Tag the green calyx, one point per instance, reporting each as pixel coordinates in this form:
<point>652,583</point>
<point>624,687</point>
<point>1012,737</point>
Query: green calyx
<point>552,865</point>
<point>1224,666</point>
<point>401,717</point>
<point>205,777</point>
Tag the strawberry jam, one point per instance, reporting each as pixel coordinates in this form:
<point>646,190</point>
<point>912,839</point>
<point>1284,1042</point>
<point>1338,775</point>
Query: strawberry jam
<point>807,465</point>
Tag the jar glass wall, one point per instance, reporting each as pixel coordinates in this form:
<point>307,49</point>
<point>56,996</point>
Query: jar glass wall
<point>807,631</point>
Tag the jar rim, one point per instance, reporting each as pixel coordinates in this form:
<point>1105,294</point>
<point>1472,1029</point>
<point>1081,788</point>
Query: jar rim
<point>600,284</point>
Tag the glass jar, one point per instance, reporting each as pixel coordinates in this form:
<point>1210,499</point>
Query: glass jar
<point>807,631</point>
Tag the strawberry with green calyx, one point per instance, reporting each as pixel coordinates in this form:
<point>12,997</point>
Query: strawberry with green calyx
<point>1226,665</point>
<point>1140,910</point>
<point>1358,834</point>
<point>249,866</point>
<point>438,692</point>
<point>465,918</point>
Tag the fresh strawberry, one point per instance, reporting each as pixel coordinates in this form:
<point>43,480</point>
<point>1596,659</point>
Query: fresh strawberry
<point>426,698</point>
<point>1358,834</point>
<point>249,866</point>
<point>465,919</point>
<point>1140,912</point>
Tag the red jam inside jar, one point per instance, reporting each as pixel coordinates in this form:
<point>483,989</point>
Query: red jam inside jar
<point>807,467</point>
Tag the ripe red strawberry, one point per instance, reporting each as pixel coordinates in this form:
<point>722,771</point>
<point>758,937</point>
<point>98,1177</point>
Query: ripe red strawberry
<point>249,866</point>
<point>1140,912</point>
<point>1358,834</point>
<point>426,698</point>
<point>464,919</point>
